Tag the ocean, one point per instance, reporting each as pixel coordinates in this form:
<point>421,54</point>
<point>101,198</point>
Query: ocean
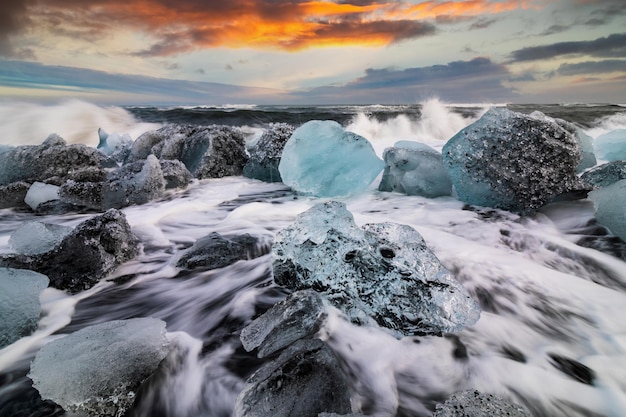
<point>551,285</point>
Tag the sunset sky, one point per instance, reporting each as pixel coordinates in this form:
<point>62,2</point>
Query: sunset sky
<point>313,52</point>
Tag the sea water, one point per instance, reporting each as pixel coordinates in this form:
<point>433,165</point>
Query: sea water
<point>551,336</point>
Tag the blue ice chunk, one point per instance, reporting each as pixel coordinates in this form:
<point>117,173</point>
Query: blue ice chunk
<point>513,161</point>
<point>415,168</point>
<point>381,273</point>
<point>39,193</point>
<point>610,202</point>
<point>33,237</point>
<point>605,174</point>
<point>114,145</point>
<point>98,369</point>
<point>19,303</point>
<point>611,146</point>
<point>323,160</point>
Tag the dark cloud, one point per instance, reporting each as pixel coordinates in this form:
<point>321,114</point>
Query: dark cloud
<point>13,18</point>
<point>593,67</point>
<point>482,23</point>
<point>612,46</point>
<point>607,11</point>
<point>554,29</point>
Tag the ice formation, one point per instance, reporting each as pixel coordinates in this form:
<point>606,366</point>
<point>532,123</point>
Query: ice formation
<point>33,237</point>
<point>216,251</point>
<point>115,146</point>
<point>605,174</point>
<point>512,161</point>
<point>473,403</point>
<point>295,318</point>
<point>39,193</point>
<point>96,371</point>
<point>324,160</point>
<point>610,202</point>
<point>303,381</point>
<point>84,256</point>
<point>382,273</point>
<point>19,303</point>
<point>265,155</point>
<point>414,168</point>
<point>611,146</point>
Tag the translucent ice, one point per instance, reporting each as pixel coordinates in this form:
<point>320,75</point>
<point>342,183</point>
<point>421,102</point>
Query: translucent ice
<point>322,159</point>
<point>473,403</point>
<point>265,155</point>
<point>414,168</point>
<point>96,371</point>
<point>19,303</point>
<point>34,237</point>
<point>39,193</point>
<point>610,202</point>
<point>380,273</point>
<point>512,161</point>
<point>605,174</point>
<point>114,145</point>
<point>611,146</point>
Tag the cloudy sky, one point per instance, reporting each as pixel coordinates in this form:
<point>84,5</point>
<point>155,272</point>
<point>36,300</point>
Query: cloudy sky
<point>313,52</point>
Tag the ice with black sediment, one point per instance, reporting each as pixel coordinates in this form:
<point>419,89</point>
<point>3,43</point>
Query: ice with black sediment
<point>20,306</point>
<point>266,153</point>
<point>513,161</point>
<point>472,403</point>
<point>217,251</point>
<point>605,174</point>
<point>380,273</point>
<point>414,168</point>
<point>97,370</point>
<point>322,159</point>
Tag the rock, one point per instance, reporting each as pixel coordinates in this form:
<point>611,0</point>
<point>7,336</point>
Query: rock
<point>207,151</point>
<point>39,193</point>
<point>97,370</point>
<point>512,161</point>
<point>175,173</point>
<point>303,381</point>
<point>323,160</point>
<point>611,146</point>
<point>382,273</point>
<point>51,162</point>
<point>610,202</point>
<point>295,318</point>
<point>415,169</point>
<point>33,237</point>
<point>215,251</point>
<point>606,174</point>
<point>13,194</point>
<point>116,147</point>
<point>266,154</point>
<point>20,308</point>
<point>473,403</point>
<point>86,255</point>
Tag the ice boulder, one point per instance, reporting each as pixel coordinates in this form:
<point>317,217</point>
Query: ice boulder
<point>472,403</point>
<point>175,173</point>
<point>305,380</point>
<point>216,251</point>
<point>115,146</point>
<point>19,303</point>
<point>380,273</point>
<point>610,202</point>
<point>91,251</point>
<point>97,370</point>
<point>611,146</point>
<point>322,159</point>
<point>414,168</point>
<point>265,155</point>
<point>605,174</point>
<point>39,193</point>
<point>33,237</point>
<point>513,161</point>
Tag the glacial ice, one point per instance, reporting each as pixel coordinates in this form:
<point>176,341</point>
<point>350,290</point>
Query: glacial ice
<point>19,303</point>
<point>380,273</point>
<point>512,161</point>
<point>610,202</point>
<point>605,174</point>
<point>414,168</point>
<point>322,159</point>
<point>472,403</point>
<point>96,370</point>
<point>611,146</point>
<point>115,146</point>
<point>33,237</point>
<point>39,193</point>
<point>297,317</point>
<point>305,380</point>
<point>265,155</point>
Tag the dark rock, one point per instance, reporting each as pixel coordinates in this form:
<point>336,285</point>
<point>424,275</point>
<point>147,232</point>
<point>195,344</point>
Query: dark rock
<point>265,156</point>
<point>573,368</point>
<point>303,381</point>
<point>94,249</point>
<point>215,251</point>
<point>13,194</point>
<point>473,403</point>
<point>295,318</point>
<point>606,174</point>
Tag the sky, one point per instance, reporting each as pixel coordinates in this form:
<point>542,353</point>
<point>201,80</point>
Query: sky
<point>210,52</point>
